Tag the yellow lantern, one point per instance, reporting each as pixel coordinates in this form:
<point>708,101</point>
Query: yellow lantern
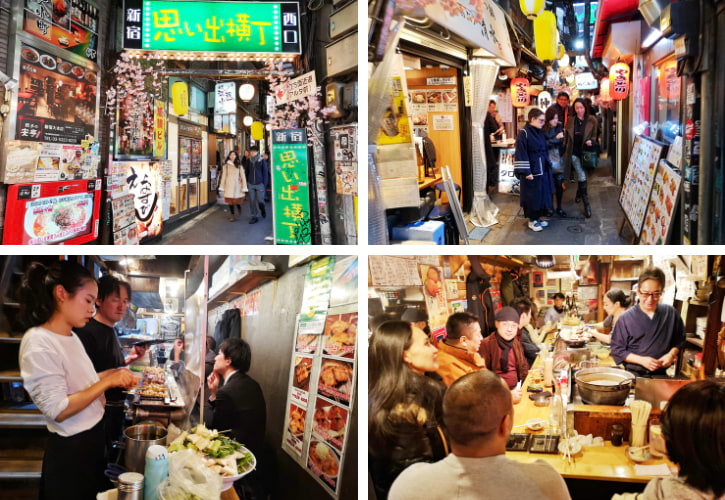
<point>531,8</point>
<point>562,51</point>
<point>257,130</point>
<point>520,97</point>
<point>546,36</point>
<point>619,81</point>
<point>180,98</point>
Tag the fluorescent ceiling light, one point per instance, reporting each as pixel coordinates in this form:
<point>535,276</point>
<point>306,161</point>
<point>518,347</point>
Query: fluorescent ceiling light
<point>652,37</point>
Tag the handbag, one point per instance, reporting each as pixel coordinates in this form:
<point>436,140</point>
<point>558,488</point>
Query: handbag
<point>590,159</point>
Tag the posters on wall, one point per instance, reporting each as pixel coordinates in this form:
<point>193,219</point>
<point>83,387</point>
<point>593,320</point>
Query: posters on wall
<point>344,282</point>
<point>345,154</point>
<point>290,187</point>
<point>443,122</point>
<point>57,103</point>
<point>135,136</point>
<point>69,24</point>
<point>661,206</point>
<point>638,181</point>
<point>49,162</point>
<point>322,379</point>
<point>394,271</point>
<point>143,181</point>
<point>435,295</point>
<point>21,161</point>
<point>316,296</point>
<point>125,231</point>
<point>167,172</point>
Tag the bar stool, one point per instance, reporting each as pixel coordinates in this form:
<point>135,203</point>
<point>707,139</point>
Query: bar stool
<point>440,188</point>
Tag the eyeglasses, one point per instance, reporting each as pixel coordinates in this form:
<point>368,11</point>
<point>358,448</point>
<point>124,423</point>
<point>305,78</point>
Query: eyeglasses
<point>650,295</point>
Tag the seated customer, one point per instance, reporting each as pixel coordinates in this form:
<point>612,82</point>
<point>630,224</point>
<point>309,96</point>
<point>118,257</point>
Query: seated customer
<point>458,353</point>
<point>523,307</point>
<point>554,314</point>
<point>503,352</point>
<point>692,425</point>
<point>478,415</point>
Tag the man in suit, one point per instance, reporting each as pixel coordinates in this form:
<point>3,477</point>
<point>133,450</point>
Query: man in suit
<point>238,404</point>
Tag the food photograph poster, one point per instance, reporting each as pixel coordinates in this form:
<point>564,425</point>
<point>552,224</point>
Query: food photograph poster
<point>323,373</point>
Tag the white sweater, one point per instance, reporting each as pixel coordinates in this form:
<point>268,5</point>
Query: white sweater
<point>53,367</point>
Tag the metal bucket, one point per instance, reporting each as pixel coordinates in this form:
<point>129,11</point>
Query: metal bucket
<point>138,438</point>
<point>604,385</point>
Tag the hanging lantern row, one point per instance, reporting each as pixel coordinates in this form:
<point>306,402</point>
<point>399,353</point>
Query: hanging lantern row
<point>619,81</point>
<point>531,8</point>
<point>546,36</point>
<point>520,96</point>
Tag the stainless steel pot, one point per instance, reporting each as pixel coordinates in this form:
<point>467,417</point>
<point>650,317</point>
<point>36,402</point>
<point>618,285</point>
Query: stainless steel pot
<point>604,385</point>
<point>138,439</point>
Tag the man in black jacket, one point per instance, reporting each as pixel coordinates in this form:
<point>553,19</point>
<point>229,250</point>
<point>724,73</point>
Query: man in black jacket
<point>238,404</point>
<point>257,181</point>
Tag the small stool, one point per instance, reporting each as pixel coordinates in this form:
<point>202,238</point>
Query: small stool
<point>440,188</point>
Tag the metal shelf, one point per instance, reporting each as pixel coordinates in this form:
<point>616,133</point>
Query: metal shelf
<point>17,420</point>
<point>10,376</point>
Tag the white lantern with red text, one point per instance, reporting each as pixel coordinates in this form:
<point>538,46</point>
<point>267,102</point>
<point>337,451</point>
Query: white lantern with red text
<point>619,81</point>
<point>520,92</point>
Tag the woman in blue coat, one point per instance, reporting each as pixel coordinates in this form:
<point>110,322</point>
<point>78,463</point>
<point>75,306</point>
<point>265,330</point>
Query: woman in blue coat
<point>533,169</point>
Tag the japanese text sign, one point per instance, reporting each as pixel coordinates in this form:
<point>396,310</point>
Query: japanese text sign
<point>253,27</point>
<point>225,98</point>
<point>144,182</point>
<point>290,187</point>
<point>297,88</point>
<point>69,24</point>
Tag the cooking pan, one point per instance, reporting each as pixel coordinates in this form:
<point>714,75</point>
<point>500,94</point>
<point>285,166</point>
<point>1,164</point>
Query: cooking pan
<point>138,438</point>
<point>604,385</point>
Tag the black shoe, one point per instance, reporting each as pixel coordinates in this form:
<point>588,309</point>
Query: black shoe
<point>263,209</point>
<point>253,220</point>
<point>578,197</point>
<point>548,212</point>
<point>560,212</point>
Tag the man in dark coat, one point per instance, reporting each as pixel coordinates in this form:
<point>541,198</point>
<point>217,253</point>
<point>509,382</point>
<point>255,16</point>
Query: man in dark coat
<point>238,404</point>
<point>478,296</point>
<point>491,126</point>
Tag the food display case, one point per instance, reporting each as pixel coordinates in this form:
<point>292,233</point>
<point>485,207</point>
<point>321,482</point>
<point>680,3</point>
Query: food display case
<point>65,212</point>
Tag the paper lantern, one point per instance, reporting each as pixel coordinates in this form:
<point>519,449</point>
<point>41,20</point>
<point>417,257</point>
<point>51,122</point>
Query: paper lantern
<point>257,130</point>
<point>619,81</point>
<point>545,101</point>
<point>520,92</point>
<point>561,52</point>
<point>247,121</point>
<point>246,92</point>
<point>180,98</point>
<point>531,8</point>
<point>546,36</point>
<point>604,90</point>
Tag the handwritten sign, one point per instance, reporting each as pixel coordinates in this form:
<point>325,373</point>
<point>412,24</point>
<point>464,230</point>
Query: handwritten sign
<point>297,88</point>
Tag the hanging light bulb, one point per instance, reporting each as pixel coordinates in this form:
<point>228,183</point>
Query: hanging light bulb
<point>545,261</point>
<point>247,121</point>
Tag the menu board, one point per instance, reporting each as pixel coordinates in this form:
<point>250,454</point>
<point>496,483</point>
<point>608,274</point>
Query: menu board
<point>661,206</point>
<point>184,157</point>
<point>323,378</point>
<point>345,154</point>
<point>344,282</point>
<point>57,100</point>
<point>316,296</point>
<point>640,176</point>
<point>69,24</point>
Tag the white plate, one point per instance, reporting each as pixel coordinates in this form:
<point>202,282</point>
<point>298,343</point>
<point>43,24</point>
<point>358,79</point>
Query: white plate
<point>535,424</point>
<point>48,62</point>
<point>574,448</point>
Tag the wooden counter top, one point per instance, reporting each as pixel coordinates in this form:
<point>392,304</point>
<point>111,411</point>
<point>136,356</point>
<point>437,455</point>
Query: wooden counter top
<point>608,462</point>
<point>429,182</point>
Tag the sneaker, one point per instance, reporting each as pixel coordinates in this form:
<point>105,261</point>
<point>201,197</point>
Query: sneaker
<point>263,209</point>
<point>543,223</point>
<point>535,226</point>
<point>253,220</point>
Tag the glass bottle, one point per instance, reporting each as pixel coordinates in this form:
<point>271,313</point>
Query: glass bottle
<point>555,413</point>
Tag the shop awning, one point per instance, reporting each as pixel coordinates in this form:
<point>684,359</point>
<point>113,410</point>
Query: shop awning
<point>488,38</point>
<point>611,11</point>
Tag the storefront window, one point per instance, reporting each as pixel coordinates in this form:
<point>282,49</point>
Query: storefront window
<point>667,95</point>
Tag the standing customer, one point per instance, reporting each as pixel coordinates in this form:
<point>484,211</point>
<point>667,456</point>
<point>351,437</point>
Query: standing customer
<point>554,132</point>
<point>59,376</point>
<point>491,126</point>
<point>533,168</point>
<point>404,405</point>
<point>258,179</point>
<point>234,184</point>
<point>647,338</point>
<point>581,131</point>
<point>101,343</point>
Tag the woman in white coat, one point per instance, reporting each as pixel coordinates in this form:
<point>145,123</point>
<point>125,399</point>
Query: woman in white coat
<point>234,184</point>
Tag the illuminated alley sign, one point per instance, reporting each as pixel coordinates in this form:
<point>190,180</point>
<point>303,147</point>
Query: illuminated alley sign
<point>246,27</point>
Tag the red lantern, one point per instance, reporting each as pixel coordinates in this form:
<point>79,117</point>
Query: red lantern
<point>669,82</point>
<point>520,92</point>
<point>604,90</point>
<point>619,81</point>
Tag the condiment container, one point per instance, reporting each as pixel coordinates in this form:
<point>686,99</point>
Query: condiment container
<point>156,470</point>
<point>617,434</point>
<point>130,486</point>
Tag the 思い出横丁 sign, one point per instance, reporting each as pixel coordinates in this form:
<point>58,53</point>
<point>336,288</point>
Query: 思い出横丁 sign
<point>290,187</point>
<point>253,27</point>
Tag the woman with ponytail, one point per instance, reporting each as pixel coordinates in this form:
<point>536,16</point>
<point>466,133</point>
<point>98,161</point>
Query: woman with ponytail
<point>615,303</point>
<point>59,376</point>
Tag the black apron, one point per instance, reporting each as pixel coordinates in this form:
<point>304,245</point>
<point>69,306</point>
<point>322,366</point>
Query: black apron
<point>73,466</point>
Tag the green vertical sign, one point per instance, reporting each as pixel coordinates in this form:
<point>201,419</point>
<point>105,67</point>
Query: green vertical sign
<point>290,187</point>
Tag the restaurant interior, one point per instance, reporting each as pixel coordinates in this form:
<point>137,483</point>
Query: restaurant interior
<point>263,300</point>
<point>588,428</point>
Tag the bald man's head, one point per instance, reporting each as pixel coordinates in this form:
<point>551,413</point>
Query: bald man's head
<point>474,407</point>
